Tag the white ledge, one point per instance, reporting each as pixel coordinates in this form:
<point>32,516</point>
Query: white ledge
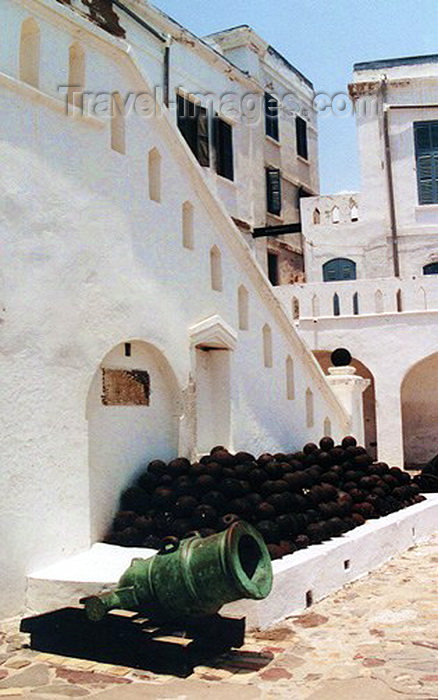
<point>57,105</point>
<point>319,569</point>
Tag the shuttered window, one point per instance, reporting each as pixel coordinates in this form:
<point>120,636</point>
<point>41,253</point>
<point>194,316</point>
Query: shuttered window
<point>271,117</point>
<point>426,152</point>
<point>223,133</point>
<point>301,135</point>
<point>273,191</point>
<point>192,121</point>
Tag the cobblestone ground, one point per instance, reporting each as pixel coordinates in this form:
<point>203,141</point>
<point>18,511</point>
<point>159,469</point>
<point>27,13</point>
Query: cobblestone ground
<point>375,639</point>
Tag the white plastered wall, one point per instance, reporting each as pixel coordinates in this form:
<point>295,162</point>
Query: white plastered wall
<point>89,263</point>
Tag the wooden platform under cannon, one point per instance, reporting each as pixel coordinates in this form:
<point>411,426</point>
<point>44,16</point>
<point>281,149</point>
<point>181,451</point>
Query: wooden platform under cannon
<point>127,639</point>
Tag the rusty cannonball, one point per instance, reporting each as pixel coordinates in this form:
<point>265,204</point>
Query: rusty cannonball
<point>264,459</point>
<point>124,519</point>
<point>338,455</point>
<point>148,481</point>
<point>275,551</point>
<point>204,516</point>
<point>264,511</point>
<point>136,499</point>
<point>269,530</point>
<point>301,541</point>
<point>244,457</point>
<point>257,477</point>
<point>326,444</point>
<point>239,506</point>
<point>273,470</point>
<point>184,506</point>
<point>310,447</point>
<point>215,499</point>
<point>178,466</point>
<point>183,486</point>
<point>144,524</point>
<point>214,470</point>
<point>348,441</point>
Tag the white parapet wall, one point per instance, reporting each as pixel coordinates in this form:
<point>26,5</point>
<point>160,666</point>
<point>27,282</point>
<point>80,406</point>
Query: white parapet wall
<point>299,579</point>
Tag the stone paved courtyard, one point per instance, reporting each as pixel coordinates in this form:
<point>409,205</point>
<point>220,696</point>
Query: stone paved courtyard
<point>375,639</point>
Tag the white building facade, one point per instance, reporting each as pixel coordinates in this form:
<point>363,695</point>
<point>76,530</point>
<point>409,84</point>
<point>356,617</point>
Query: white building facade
<point>136,320</point>
<point>371,259</point>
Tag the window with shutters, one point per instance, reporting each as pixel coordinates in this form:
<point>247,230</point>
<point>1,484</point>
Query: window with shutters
<point>223,133</point>
<point>301,135</point>
<point>271,117</point>
<point>426,153</point>
<point>273,268</point>
<point>273,191</point>
<point>192,121</point>
<point>339,269</point>
<point>431,269</point>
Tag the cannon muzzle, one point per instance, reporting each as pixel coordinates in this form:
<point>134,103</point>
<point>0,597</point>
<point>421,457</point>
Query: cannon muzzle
<point>191,578</point>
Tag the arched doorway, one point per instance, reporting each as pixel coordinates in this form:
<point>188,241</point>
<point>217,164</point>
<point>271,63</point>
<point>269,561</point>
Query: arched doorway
<point>133,412</point>
<point>369,398</point>
<point>419,401</point>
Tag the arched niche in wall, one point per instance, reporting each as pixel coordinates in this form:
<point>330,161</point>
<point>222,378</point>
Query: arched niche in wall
<point>134,408</point>
<point>420,412</point>
<point>243,307</point>
<point>336,216</point>
<point>316,216</point>
<point>295,309</point>
<point>290,378</point>
<point>76,74</point>
<point>310,416</point>
<point>267,346</point>
<point>327,427</point>
<point>117,123</point>
<point>29,63</point>
<point>354,212</point>
<point>154,175</point>
<point>369,397</point>
<point>378,301</point>
<point>216,269</point>
<point>188,232</point>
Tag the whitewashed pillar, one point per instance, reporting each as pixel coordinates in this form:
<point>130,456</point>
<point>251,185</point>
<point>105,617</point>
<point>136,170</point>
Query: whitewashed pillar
<point>349,388</point>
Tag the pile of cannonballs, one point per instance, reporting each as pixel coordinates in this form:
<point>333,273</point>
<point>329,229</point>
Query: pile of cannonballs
<point>294,500</point>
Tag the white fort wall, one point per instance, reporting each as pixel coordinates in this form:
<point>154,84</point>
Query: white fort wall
<point>90,263</point>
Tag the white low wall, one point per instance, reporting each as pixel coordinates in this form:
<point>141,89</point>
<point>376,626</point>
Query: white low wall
<point>316,571</point>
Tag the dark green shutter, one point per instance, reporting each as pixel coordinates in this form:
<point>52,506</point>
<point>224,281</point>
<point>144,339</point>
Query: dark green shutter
<point>426,152</point>
<point>271,117</point>
<point>223,133</point>
<point>301,137</point>
<point>273,191</point>
<point>203,148</point>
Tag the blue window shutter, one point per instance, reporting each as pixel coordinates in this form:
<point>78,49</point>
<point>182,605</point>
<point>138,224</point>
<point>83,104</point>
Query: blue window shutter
<point>426,153</point>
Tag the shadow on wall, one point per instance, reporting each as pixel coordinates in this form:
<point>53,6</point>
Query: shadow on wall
<point>419,400</point>
<point>369,398</point>
<point>134,408</point>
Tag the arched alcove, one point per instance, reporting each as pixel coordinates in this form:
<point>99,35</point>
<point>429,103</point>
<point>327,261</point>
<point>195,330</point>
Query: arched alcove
<point>378,301</point>
<point>216,269</point>
<point>295,309</point>
<point>243,307</point>
<point>117,123</point>
<point>356,304</point>
<point>267,346</point>
<point>336,305</point>
<point>327,427</point>
<point>419,401</point>
<point>188,235</point>
<point>354,213</point>
<point>76,74</point>
<point>316,216</point>
<point>310,417</point>
<point>399,300</point>
<point>154,175</point>
<point>315,306</point>
<point>29,64</point>
<point>369,397</point>
<point>290,378</point>
<point>336,217</point>
<point>134,409</point>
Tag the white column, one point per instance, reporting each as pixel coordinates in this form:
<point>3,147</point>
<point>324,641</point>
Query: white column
<point>349,388</point>
<point>389,422</point>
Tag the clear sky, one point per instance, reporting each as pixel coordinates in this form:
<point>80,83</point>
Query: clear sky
<point>323,38</point>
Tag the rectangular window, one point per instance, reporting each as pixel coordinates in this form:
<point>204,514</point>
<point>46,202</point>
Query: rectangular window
<point>426,154</point>
<point>224,148</point>
<point>273,191</point>
<point>192,121</point>
<point>273,268</point>
<point>301,134</point>
<point>271,117</point>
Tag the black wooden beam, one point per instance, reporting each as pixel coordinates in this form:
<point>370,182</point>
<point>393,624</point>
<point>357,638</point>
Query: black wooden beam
<point>280,230</point>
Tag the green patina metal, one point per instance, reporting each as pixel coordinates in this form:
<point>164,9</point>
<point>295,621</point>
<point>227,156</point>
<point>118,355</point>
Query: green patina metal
<point>192,578</point>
